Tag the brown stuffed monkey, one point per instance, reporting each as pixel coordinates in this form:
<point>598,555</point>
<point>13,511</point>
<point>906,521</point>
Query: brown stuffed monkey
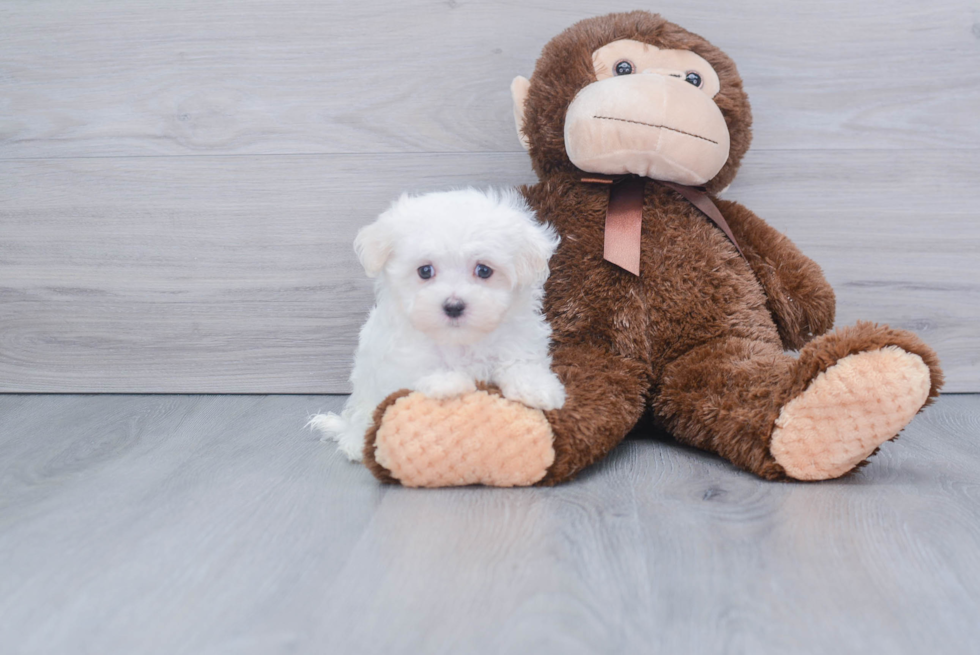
<point>631,122</point>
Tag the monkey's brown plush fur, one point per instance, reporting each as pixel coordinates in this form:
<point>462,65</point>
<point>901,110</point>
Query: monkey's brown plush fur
<point>697,340</point>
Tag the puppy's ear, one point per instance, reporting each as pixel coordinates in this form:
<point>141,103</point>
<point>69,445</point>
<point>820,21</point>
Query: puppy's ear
<point>537,246</point>
<point>373,245</point>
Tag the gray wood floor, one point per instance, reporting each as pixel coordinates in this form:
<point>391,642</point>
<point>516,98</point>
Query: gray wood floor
<point>180,181</point>
<point>217,524</point>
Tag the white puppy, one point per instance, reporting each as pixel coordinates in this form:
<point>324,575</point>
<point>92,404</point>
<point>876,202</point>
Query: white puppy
<point>459,282</point>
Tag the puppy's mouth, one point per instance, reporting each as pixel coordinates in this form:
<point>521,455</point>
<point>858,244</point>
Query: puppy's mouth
<point>457,333</point>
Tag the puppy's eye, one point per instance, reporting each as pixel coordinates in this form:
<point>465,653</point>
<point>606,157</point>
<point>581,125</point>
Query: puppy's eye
<point>425,272</point>
<point>623,67</point>
<point>693,78</point>
<point>483,271</point>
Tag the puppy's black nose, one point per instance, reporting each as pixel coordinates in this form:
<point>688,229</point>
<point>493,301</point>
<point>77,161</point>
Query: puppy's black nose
<point>454,308</point>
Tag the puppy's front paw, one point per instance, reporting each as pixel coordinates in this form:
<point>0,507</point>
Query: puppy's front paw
<point>445,384</point>
<point>533,386</point>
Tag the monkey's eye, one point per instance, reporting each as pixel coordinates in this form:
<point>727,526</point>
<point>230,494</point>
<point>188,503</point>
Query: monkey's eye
<point>425,272</point>
<point>483,271</point>
<point>623,67</point>
<point>693,78</point>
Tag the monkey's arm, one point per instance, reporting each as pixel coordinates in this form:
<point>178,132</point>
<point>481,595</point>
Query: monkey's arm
<point>798,296</point>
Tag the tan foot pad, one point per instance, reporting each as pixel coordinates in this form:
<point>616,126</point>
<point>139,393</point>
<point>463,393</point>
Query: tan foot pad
<point>847,411</point>
<point>478,438</point>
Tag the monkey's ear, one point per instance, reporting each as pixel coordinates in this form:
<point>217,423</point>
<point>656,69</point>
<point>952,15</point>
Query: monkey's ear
<point>373,245</point>
<point>518,90</point>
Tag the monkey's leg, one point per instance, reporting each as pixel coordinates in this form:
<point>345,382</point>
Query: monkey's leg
<point>605,396</point>
<point>482,438</point>
<point>813,418</point>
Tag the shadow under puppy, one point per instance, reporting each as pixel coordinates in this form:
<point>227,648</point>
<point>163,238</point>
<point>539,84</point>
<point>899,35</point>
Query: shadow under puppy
<point>459,281</point>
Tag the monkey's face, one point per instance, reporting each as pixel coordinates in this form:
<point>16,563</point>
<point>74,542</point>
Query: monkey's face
<point>605,99</point>
<point>650,112</point>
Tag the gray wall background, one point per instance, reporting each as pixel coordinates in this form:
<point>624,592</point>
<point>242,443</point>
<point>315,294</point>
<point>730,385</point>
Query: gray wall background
<point>180,182</point>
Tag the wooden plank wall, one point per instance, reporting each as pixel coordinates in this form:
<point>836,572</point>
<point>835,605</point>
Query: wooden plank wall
<point>180,182</point>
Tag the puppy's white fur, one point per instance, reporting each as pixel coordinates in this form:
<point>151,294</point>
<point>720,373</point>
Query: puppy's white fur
<point>410,341</point>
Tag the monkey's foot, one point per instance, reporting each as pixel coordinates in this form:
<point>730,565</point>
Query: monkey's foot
<point>847,411</point>
<point>476,438</point>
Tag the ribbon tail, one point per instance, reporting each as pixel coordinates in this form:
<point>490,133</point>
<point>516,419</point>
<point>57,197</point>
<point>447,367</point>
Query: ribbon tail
<point>703,203</point>
<point>624,224</point>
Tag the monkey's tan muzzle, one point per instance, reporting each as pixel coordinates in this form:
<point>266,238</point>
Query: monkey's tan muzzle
<point>651,125</point>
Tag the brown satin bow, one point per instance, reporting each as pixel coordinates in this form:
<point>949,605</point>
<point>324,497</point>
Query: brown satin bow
<point>624,216</point>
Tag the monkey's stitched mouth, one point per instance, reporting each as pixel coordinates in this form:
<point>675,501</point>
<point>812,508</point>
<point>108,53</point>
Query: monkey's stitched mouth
<point>662,127</point>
